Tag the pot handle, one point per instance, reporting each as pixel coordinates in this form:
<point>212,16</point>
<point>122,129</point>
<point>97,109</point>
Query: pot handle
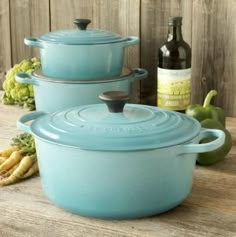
<point>32,41</point>
<point>139,73</point>
<point>25,78</point>
<point>204,147</point>
<point>21,122</point>
<point>131,40</point>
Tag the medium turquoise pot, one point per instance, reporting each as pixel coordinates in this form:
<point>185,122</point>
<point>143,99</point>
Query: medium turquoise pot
<point>119,163</point>
<point>52,95</point>
<point>81,53</point>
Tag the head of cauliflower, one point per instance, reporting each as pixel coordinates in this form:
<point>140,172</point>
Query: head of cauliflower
<point>18,93</point>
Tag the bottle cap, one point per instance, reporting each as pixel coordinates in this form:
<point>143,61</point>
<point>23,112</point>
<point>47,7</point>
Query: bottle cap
<point>175,21</point>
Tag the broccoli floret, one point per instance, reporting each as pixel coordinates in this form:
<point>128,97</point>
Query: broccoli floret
<point>19,93</point>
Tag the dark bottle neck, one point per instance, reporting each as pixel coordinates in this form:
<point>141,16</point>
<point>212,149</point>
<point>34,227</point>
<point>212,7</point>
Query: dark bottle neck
<point>174,33</point>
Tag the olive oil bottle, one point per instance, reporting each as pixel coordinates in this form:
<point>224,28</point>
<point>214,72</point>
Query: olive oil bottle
<point>174,69</point>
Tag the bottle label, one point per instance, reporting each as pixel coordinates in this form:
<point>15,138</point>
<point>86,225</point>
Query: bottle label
<point>173,88</point>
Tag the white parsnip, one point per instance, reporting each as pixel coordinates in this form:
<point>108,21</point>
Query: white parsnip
<point>2,159</point>
<point>32,170</point>
<point>14,158</point>
<point>23,167</point>
<point>7,173</point>
<point>18,161</point>
<point>8,151</point>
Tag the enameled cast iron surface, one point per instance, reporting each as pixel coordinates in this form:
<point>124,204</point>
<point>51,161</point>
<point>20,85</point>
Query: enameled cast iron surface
<point>81,53</point>
<point>116,185</point>
<point>129,164</point>
<point>52,94</point>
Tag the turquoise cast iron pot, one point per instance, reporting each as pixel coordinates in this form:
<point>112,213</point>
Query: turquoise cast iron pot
<point>81,53</point>
<point>52,95</point>
<point>123,163</point>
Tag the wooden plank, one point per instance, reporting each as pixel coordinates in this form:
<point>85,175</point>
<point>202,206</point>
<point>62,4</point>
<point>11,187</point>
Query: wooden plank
<point>186,12</point>
<point>28,18</point>
<point>122,17</point>
<point>154,18</point>
<point>208,211</point>
<point>73,9</point>
<point>5,42</point>
<point>214,52</point>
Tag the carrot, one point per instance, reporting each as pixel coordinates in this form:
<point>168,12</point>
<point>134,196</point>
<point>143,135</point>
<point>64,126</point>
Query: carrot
<point>32,170</point>
<point>8,151</point>
<point>14,158</point>
<point>24,165</point>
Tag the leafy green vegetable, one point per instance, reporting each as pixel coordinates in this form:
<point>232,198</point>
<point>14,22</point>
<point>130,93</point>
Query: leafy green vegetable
<point>26,143</point>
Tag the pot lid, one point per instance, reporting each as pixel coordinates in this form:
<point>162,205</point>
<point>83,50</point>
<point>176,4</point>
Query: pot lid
<point>116,127</point>
<point>82,35</point>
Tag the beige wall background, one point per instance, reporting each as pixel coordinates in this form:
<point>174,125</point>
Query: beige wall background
<point>208,26</point>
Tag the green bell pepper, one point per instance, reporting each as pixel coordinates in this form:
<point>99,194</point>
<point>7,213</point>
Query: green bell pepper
<point>211,117</point>
<point>211,157</point>
<point>201,112</point>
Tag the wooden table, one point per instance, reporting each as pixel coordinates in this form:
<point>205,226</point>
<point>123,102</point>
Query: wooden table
<point>209,210</point>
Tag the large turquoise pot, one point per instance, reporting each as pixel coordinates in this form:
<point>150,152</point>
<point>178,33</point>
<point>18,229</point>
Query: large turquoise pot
<point>122,163</point>
<point>51,94</point>
<point>81,53</point>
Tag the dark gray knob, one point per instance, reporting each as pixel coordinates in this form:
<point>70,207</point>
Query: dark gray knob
<point>82,23</point>
<point>115,100</point>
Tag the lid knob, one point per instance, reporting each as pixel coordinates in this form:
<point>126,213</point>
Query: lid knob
<point>82,23</point>
<point>115,100</point>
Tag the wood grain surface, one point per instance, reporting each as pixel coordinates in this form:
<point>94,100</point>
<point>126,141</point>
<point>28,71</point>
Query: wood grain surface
<point>28,18</point>
<point>5,39</point>
<point>214,52</point>
<point>208,211</point>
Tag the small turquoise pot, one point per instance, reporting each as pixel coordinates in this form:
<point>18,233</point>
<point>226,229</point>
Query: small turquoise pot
<point>81,53</point>
<point>51,94</point>
<point>119,163</point>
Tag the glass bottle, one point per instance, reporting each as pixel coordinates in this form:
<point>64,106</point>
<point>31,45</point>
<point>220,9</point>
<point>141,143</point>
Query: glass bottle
<point>174,69</point>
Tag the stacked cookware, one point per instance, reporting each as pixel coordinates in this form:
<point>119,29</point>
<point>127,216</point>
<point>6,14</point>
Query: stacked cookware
<point>114,160</point>
<point>78,65</point>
